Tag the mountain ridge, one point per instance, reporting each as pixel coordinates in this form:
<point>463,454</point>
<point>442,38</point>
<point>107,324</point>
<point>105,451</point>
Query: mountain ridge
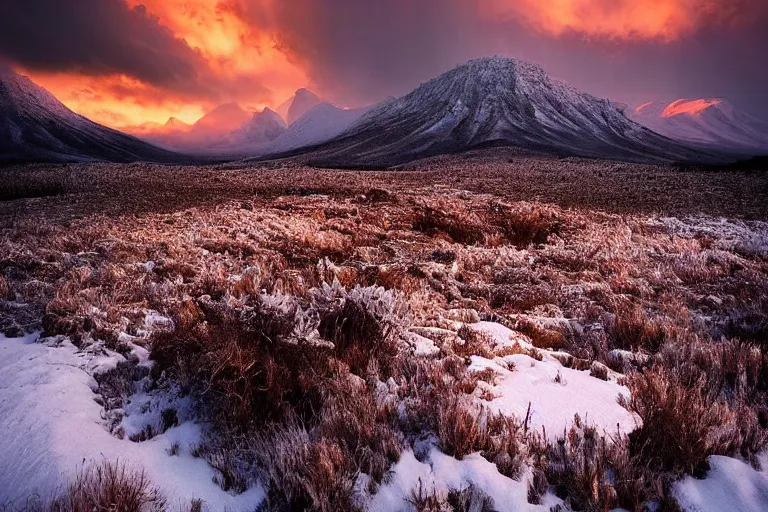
<point>497,101</point>
<point>705,121</point>
<point>35,126</point>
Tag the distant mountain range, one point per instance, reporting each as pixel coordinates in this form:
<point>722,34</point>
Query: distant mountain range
<point>35,126</point>
<point>711,122</point>
<point>485,103</point>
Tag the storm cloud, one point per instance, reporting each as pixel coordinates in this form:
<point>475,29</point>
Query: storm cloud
<point>627,50</point>
<point>98,37</point>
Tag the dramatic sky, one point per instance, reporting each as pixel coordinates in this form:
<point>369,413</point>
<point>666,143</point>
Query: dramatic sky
<point>127,62</point>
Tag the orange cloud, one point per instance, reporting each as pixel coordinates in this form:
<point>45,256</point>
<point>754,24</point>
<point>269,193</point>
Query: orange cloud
<point>241,59</point>
<point>690,107</point>
<point>624,19</point>
<point>116,101</point>
<point>233,49</point>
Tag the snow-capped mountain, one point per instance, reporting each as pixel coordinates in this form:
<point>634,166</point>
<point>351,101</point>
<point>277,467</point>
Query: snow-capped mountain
<point>297,105</point>
<point>706,121</point>
<point>210,130</point>
<point>320,124</point>
<point>263,128</point>
<point>35,126</point>
<point>496,101</point>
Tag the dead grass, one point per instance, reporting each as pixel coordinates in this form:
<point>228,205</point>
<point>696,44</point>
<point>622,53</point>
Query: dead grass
<point>298,369</point>
<point>108,486</point>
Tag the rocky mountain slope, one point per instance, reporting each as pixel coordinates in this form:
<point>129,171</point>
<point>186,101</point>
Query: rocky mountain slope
<point>320,124</point>
<point>35,126</point>
<point>497,101</point>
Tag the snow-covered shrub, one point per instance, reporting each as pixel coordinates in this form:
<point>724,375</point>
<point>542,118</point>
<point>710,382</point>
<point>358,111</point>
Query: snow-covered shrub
<point>316,468</point>
<point>595,473</point>
<point>364,324</point>
<point>463,428</point>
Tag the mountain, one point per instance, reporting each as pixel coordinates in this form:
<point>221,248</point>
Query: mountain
<point>223,119</point>
<point>263,128</point>
<point>706,121</point>
<point>210,130</point>
<point>297,105</point>
<point>319,124</point>
<point>150,129</point>
<point>35,126</point>
<point>497,101</point>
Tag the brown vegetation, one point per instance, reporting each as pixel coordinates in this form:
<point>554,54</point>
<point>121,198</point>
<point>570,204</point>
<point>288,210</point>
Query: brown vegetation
<point>290,307</point>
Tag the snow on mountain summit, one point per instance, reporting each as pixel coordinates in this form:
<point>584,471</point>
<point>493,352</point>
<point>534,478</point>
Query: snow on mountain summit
<point>497,101</point>
<point>297,105</point>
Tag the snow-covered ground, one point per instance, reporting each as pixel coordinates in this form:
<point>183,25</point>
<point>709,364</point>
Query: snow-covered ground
<point>730,486</point>
<point>441,474</point>
<point>51,425</point>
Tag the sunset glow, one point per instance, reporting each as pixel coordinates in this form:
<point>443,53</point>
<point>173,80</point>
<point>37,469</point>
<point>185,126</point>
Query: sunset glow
<point>624,19</point>
<point>689,107</point>
<point>183,58</point>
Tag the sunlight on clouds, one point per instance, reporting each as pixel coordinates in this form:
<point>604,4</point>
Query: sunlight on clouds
<point>619,19</point>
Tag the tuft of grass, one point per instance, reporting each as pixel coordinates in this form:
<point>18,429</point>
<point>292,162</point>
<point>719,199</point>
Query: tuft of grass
<point>110,486</point>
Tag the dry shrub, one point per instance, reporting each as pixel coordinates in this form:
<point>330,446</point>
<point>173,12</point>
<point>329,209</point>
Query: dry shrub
<point>682,421</point>
<point>476,343</point>
<point>6,293</point>
<point>463,228</point>
<point>732,374</point>
<point>463,429</point>
<point>397,278</point>
<point>265,375</point>
<point>529,226</point>
<point>541,337</point>
<point>364,324</point>
<point>428,500</point>
<point>595,474</point>
<point>110,486</point>
<point>521,298</point>
<point>470,499</point>
<point>305,474</point>
<point>241,363</point>
<point>633,329</point>
<point>316,469</point>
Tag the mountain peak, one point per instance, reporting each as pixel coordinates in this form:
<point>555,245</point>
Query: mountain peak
<point>303,100</point>
<point>497,101</point>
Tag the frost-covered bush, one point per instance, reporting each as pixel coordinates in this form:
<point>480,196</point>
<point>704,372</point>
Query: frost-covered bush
<point>364,324</point>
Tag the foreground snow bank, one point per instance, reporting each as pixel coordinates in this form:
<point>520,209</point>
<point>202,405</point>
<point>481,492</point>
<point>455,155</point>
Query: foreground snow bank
<point>441,474</point>
<point>731,485</point>
<point>555,393</point>
<point>51,425</point>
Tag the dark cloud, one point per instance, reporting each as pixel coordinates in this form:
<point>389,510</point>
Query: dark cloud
<point>363,51</point>
<point>359,50</point>
<point>98,37</point>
